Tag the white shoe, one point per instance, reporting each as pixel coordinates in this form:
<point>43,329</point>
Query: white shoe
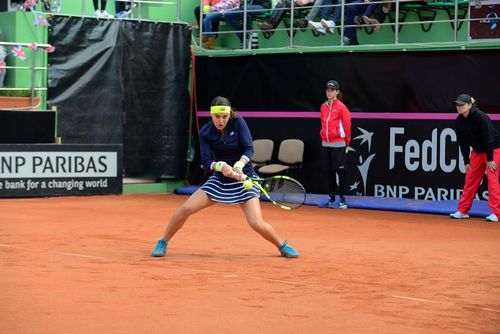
<point>459,215</point>
<point>104,13</point>
<point>316,26</point>
<point>98,13</point>
<point>492,218</point>
<point>328,25</point>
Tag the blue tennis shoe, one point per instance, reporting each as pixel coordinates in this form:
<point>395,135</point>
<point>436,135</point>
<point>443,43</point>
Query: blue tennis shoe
<point>342,204</point>
<point>160,249</point>
<point>287,250</point>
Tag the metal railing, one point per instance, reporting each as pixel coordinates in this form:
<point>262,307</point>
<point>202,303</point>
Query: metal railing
<point>33,88</point>
<point>136,7</point>
<point>394,18</point>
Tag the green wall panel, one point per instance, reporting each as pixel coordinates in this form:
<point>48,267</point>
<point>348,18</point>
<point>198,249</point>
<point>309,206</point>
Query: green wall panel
<point>18,27</point>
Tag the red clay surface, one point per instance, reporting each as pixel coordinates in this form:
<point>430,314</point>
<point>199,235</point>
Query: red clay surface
<point>82,265</point>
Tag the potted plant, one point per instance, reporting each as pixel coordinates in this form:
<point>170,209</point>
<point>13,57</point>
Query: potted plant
<point>18,100</point>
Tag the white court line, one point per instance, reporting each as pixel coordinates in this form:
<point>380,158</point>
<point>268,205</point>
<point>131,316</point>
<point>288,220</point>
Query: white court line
<point>83,255</point>
<point>420,299</point>
<point>490,309</point>
<point>444,303</point>
<point>62,253</point>
<point>9,246</point>
<point>278,281</point>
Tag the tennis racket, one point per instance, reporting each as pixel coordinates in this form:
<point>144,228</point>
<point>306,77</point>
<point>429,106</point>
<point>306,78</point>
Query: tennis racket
<point>281,190</point>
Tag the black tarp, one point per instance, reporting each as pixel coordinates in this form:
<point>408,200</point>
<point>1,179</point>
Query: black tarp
<point>423,81</point>
<point>123,82</point>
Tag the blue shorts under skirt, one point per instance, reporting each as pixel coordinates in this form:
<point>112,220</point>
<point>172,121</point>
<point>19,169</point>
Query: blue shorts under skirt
<point>229,191</point>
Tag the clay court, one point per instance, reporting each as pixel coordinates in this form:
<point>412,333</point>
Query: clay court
<point>82,265</point>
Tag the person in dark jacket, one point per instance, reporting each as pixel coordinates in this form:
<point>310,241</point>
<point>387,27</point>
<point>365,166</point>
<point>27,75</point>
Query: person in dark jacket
<point>475,129</point>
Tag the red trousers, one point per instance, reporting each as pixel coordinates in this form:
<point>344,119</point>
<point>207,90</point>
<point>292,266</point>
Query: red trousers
<point>473,178</point>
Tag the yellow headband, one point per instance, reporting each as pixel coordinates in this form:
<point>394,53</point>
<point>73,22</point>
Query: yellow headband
<point>220,110</point>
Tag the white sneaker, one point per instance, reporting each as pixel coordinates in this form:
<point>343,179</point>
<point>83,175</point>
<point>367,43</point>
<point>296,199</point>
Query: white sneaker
<point>316,26</point>
<point>104,13</point>
<point>459,215</point>
<point>98,13</point>
<point>328,25</point>
<point>492,218</point>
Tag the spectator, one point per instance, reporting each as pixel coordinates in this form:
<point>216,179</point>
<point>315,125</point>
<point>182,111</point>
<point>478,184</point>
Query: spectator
<point>253,8</point>
<point>475,130</point>
<point>206,8</point>
<point>354,9</point>
<point>328,21</point>
<point>278,14</point>
<point>102,12</point>
<point>121,9</point>
<point>215,13</point>
<point>367,17</point>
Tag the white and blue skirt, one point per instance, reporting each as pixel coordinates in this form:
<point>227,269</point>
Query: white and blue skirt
<point>226,190</point>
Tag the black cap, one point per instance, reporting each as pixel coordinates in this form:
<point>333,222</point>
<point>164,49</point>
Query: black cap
<point>332,84</point>
<point>462,99</point>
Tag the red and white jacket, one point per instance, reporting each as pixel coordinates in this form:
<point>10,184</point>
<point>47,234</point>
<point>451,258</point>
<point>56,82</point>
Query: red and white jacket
<point>335,122</point>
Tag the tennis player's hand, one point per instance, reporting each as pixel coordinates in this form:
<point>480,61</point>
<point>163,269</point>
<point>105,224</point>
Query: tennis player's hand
<point>492,165</point>
<point>228,171</point>
<point>238,169</point>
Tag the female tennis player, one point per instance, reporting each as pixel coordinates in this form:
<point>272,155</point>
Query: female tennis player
<point>226,149</point>
<point>475,129</point>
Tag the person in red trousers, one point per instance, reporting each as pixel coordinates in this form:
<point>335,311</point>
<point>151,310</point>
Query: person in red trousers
<point>475,129</point>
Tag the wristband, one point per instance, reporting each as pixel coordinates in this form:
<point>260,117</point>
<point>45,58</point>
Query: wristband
<point>218,166</point>
<point>238,164</point>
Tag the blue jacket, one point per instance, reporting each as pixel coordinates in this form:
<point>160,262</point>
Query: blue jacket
<point>235,141</point>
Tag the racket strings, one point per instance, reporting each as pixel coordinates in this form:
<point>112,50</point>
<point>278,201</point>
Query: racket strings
<point>286,192</point>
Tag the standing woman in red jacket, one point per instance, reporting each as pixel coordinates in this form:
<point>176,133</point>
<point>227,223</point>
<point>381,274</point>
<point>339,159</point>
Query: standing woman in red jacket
<point>335,138</point>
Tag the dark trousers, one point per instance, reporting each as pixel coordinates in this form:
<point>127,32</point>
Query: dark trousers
<point>120,6</point>
<point>333,188</point>
<point>96,4</point>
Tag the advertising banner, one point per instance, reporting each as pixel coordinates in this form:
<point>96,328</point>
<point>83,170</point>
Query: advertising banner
<point>33,170</point>
<point>485,20</point>
<point>417,159</point>
<point>395,155</point>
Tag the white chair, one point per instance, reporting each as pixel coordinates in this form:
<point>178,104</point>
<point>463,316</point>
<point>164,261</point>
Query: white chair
<point>263,152</point>
<point>290,155</point>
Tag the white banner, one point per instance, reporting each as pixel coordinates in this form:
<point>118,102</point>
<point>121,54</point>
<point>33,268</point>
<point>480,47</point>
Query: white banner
<point>57,164</point>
